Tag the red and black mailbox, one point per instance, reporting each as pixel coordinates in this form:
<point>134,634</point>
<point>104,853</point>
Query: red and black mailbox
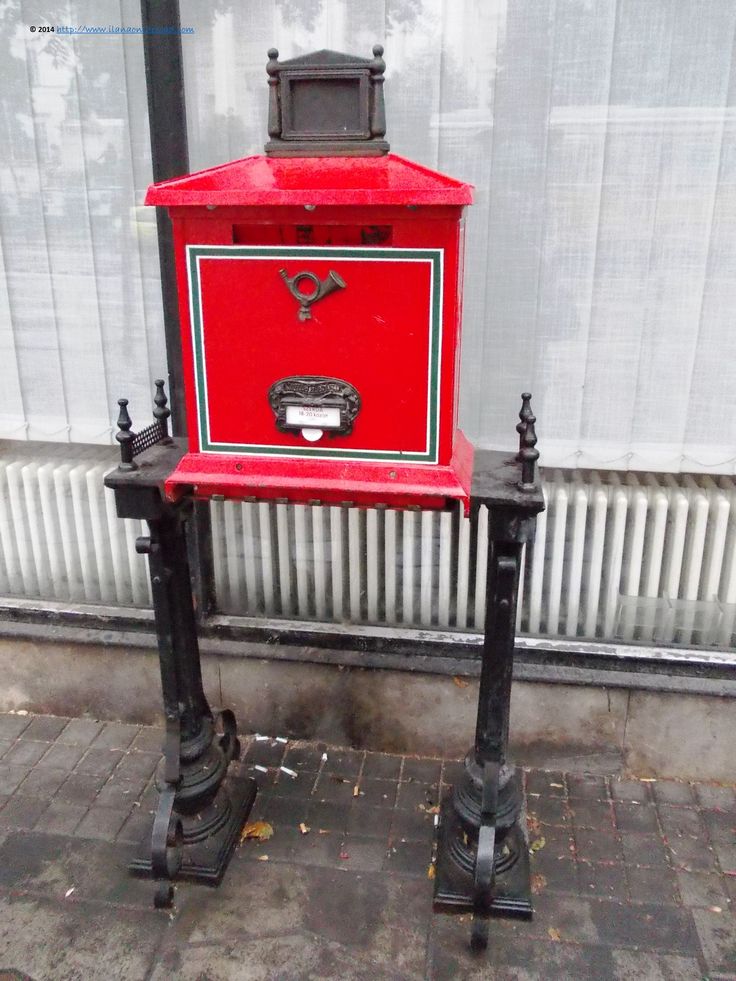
<point>320,293</point>
<point>320,301</point>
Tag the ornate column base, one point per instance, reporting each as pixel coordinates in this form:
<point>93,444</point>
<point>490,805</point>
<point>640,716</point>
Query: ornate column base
<point>459,828</point>
<point>206,851</point>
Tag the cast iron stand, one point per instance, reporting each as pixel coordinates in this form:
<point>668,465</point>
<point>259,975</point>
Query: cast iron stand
<point>483,858</point>
<point>200,813</point>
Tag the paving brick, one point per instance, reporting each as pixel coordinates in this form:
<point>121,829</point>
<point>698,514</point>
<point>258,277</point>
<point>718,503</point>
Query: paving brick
<point>299,787</point>
<point>638,965</point>
<point>630,790</point>
<point>711,795</point>
<point>136,829</point>
<point>10,777</point>
<point>25,753</point>
<point>673,792</point>
<point>591,846</point>
<point>334,788</point>
<point>60,817</point>
<point>135,766</point>
<point>586,786</point>
<point>11,726</point>
<point>602,880</point>
<point>546,783</point>
<point>636,817</point>
<point>411,825</point>
<point>378,793</point>
<point>101,822</point>
<point>412,796</point>
<point>590,813</point>
<point>266,753</point>
<point>658,929</point>
<point>645,850</point>
<point>45,728</point>
<point>378,766</point>
<point>550,810</point>
<point>692,854</point>
<point>422,770</point>
<point>343,763</point>
<point>80,788</point>
<point>59,756</point>
<point>79,732</point>
<point>362,854</point>
<point>120,794</point>
<point>41,782</point>
<point>652,885</point>
<point>701,888</point>
<point>408,858</point>
<point>720,824</point>
<point>681,821</point>
<point>303,758</point>
<point>99,762</point>
<point>368,821</point>
<point>452,773</point>
<point>717,933</point>
<point>115,735</point>
<point>148,740</point>
<point>285,811</point>
<point>21,813</point>
<point>331,817</point>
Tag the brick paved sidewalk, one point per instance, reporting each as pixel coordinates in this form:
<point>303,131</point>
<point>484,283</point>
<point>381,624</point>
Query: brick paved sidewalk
<point>630,876</point>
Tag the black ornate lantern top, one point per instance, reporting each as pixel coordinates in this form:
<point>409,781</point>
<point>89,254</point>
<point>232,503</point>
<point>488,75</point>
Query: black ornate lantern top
<point>326,104</point>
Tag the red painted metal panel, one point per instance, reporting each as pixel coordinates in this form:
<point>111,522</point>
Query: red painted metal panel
<point>389,179</point>
<point>372,334</point>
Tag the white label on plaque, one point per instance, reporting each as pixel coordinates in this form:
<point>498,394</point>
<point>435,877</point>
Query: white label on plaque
<point>327,417</point>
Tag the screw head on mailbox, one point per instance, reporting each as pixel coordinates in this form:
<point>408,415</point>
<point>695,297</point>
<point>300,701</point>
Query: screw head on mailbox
<point>320,292</point>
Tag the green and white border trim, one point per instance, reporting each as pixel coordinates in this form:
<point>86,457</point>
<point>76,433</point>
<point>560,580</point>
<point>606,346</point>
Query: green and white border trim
<point>434,257</point>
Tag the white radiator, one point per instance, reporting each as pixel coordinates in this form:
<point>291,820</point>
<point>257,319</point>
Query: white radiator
<point>631,557</point>
<point>643,557</point>
<point>60,538</point>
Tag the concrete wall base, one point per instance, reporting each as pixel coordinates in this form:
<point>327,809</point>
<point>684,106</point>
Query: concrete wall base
<point>553,726</point>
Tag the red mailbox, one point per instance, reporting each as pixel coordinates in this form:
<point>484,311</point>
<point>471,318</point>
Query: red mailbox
<point>320,292</point>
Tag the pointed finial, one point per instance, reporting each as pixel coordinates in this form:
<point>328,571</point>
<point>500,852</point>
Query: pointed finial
<point>161,411</point>
<point>524,414</point>
<point>528,453</point>
<point>125,437</point>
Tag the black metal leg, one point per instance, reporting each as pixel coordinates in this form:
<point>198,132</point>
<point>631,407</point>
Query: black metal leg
<point>482,861</point>
<point>200,814</point>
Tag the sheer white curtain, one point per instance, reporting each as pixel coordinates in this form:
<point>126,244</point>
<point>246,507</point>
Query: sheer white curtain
<point>601,265</point>
<point>80,306</point>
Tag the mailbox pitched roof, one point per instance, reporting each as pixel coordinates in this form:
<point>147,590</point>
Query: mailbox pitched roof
<point>260,180</point>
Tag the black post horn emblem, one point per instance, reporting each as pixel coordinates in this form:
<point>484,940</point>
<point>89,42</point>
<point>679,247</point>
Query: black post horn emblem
<point>322,288</point>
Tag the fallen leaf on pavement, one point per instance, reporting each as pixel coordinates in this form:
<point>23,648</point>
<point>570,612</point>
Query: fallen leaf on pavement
<point>460,682</point>
<point>538,881</point>
<point>553,934</point>
<point>260,830</point>
<point>263,858</point>
<point>533,823</point>
<point>431,872</point>
<point>537,844</point>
